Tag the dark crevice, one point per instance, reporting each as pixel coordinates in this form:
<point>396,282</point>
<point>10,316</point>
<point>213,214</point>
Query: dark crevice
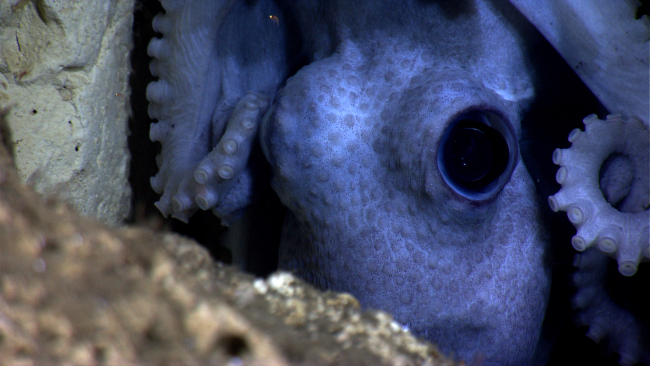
<point>233,345</point>
<point>643,9</point>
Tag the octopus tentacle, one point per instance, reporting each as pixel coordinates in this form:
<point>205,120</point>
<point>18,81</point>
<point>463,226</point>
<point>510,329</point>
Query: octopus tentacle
<point>609,316</point>
<point>222,167</point>
<point>621,234</point>
<point>206,64</point>
<point>604,44</point>
<point>183,58</point>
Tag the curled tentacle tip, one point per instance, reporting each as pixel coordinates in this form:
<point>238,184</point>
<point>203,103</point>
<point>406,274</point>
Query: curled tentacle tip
<point>590,211</point>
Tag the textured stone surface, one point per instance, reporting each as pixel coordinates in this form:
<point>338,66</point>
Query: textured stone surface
<point>76,292</point>
<point>64,68</point>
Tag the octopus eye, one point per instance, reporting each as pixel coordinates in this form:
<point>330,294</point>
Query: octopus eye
<point>476,153</point>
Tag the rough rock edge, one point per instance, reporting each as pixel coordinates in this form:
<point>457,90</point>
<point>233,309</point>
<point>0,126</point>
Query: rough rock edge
<point>74,291</point>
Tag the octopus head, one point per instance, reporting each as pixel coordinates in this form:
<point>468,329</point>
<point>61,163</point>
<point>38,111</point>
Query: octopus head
<point>404,185</point>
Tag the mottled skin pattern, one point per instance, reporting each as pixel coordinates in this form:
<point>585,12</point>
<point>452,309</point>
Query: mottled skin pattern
<point>354,140</point>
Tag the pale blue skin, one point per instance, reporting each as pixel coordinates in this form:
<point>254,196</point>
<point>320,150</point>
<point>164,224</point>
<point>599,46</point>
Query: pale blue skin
<point>353,141</point>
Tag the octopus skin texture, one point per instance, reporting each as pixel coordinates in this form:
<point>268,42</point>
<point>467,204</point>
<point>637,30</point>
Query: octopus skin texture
<point>395,148</point>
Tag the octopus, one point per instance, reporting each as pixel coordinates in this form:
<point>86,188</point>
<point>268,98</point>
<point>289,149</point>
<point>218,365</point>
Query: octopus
<point>392,132</point>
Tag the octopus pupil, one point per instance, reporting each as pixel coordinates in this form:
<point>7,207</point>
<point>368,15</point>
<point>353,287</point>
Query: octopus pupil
<point>475,154</point>
<point>470,154</point>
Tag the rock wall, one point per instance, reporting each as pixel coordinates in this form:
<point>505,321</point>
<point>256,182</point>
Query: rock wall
<point>64,72</point>
<point>76,292</point>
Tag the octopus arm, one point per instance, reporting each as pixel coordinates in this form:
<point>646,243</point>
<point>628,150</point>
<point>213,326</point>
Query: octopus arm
<point>212,55</point>
<point>604,175</point>
<point>621,234</point>
<point>610,319</point>
<point>605,45</point>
